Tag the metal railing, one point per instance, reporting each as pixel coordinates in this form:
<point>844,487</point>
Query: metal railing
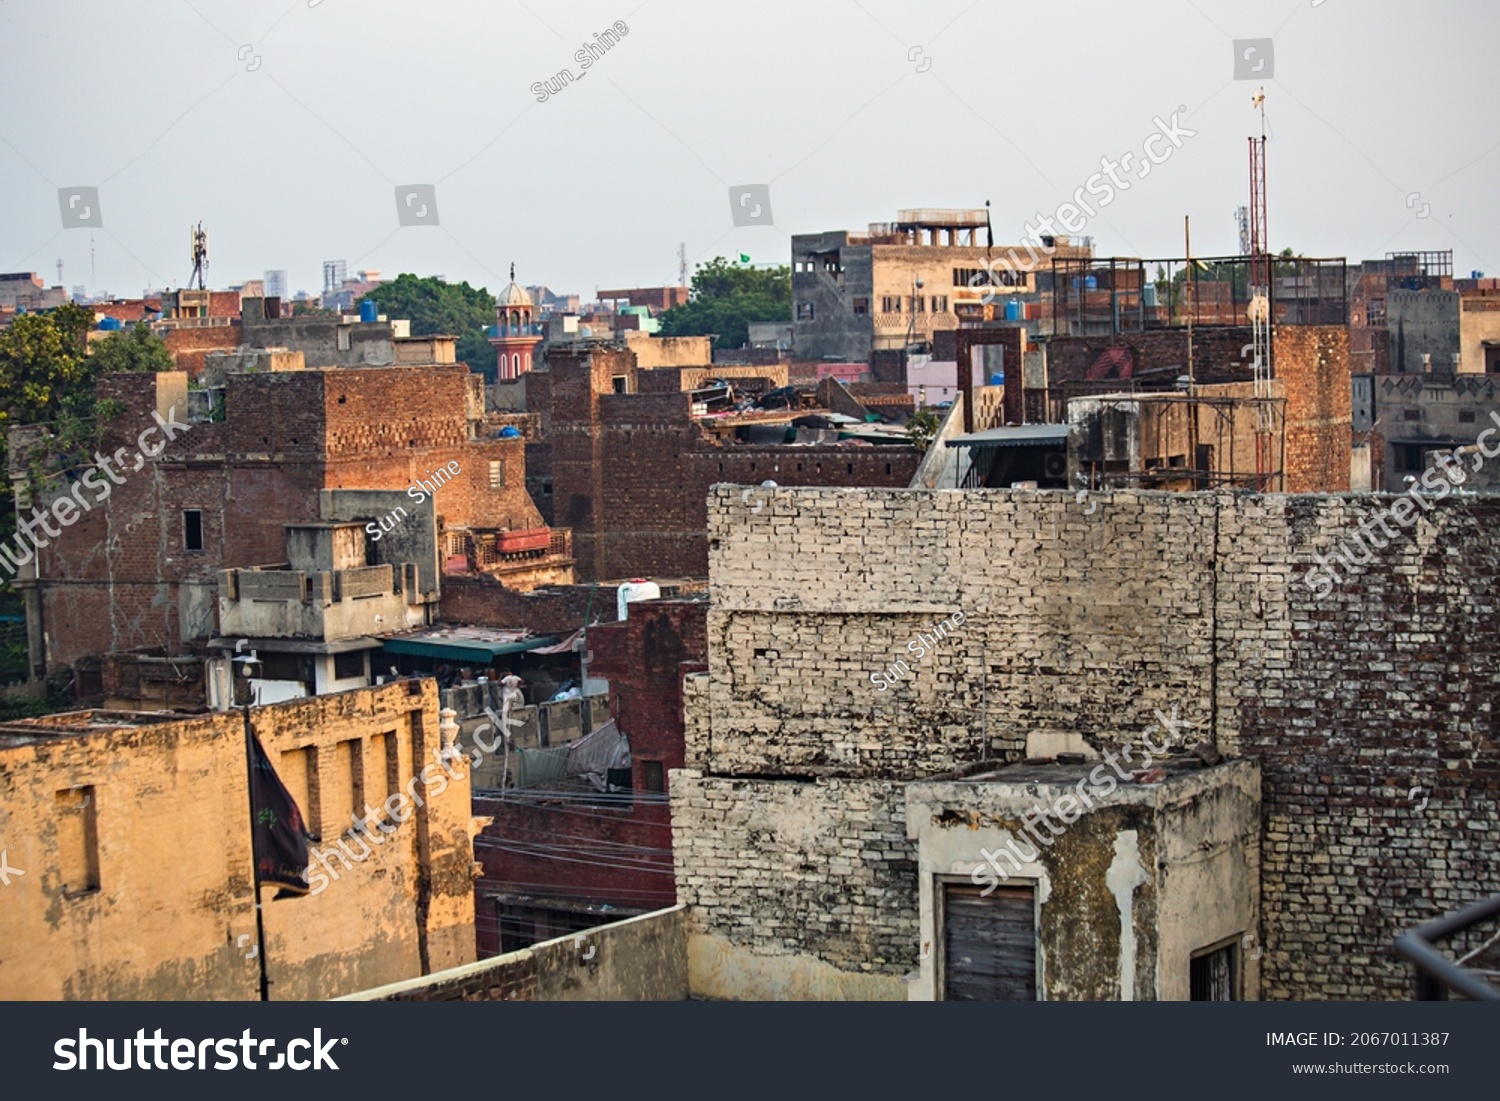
<point>1437,974</point>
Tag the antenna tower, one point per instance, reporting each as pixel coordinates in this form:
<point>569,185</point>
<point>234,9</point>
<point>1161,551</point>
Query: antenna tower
<point>200,256</point>
<point>1259,253</point>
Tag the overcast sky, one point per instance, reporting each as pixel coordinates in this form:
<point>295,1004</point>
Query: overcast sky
<point>286,126</point>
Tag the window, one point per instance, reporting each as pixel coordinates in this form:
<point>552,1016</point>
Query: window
<point>619,384</point>
<point>1466,416</point>
<point>1411,414</point>
<point>497,473</point>
<point>78,840</point>
<point>890,303</point>
<point>919,304</point>
<point>347,666</point>
<point>861,305</point>
<point>1409,458</point>
<point>979,277</point>
<point>192,529</point>
<point>547,488</point>
<point>940,303</point>
<point>1212,975</point>
<point>804,311</point>
<point>654,776</point>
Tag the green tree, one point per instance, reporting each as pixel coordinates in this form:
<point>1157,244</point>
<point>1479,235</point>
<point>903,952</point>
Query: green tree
<point>435,307</point>
<point>726,298</point>
<point>922,427</point>
<point>48,374</point>
<point>136,349</point>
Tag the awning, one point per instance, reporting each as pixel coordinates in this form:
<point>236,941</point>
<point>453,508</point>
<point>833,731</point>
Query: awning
<point>1016,435</point>
<point>464,651</point>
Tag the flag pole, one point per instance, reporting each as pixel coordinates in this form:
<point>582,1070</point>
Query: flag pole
<point>260,927</point>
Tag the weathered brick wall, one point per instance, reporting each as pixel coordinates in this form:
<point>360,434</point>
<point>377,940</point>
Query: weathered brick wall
<point>1087,622</point>
<point>556,610</point>
<point>1313,362</point>
<point>825,867</point>
<point>116,578</point>
<point>1216,353</point>
<point>189,346</point>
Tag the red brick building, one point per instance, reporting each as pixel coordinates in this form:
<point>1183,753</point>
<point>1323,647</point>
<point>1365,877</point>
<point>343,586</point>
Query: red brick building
<point>140,568</point>
<point>558,862</point>
<point>627,465</point>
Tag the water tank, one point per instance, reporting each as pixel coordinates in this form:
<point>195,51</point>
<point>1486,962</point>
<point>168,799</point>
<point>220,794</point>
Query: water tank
<point>1090,283</point>
<point>109,324</point>
<point>369,310</point>
<point>637,588</point>
<point>1148,294</point>
<point>997,380</point>
<point>1014,310</point>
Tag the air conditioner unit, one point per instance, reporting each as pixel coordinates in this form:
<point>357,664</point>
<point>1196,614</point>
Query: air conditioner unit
<point>1055,465</point>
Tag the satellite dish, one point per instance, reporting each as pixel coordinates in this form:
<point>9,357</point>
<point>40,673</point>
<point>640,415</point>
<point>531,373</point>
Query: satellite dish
<point>1260,308</point>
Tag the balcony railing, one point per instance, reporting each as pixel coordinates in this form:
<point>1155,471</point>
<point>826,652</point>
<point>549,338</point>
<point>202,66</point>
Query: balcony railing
<point>1439,974</point>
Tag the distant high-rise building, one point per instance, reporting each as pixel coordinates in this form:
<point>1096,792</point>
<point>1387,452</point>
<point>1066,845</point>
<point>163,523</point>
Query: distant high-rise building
<point>334,274</point>
<point>276,284</point>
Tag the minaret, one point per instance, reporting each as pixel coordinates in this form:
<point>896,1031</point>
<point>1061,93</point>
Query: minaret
<point>516,331</point>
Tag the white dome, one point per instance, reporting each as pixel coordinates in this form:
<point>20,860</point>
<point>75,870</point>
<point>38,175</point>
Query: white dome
<point>514,295</point>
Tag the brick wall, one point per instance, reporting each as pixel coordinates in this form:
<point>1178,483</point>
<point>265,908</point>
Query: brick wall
<point>1313,362</point>
<point>1086,624</point>
<point>117,578</point>
<point>630,472</point>
<point>556,610</point>
<point>643,659</point>
<point>189,345</point>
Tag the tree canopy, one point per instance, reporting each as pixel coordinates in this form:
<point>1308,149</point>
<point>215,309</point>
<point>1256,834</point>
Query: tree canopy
<point>47,376</point>
<point>726,298</point>
<point>435,307</point>
<point>134,349</point>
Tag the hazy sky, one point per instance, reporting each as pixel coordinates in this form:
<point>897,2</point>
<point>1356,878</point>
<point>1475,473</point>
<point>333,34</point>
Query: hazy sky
<point>287,125</point>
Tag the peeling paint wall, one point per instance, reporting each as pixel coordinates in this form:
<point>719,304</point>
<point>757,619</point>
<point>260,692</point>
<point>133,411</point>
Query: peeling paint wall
<point>173,916</point>
<point>1126,894</point>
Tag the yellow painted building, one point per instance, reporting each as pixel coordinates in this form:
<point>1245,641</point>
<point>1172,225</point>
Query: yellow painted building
<point>127,870</point>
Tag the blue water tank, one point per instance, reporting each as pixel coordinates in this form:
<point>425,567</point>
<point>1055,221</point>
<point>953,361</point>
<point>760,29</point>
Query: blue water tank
<point>109,324</point>
<point>1090,283</point>
<point>1148,294</point>
<point>997,380</point>
<point>1014,310</point>
<point>369,310</point>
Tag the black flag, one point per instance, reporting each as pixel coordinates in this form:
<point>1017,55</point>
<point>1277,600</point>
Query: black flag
<point>280,836</point>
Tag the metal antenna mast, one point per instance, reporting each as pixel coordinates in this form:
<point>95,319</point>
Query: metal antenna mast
<point>1260,297</point>
<point>200,256</point>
